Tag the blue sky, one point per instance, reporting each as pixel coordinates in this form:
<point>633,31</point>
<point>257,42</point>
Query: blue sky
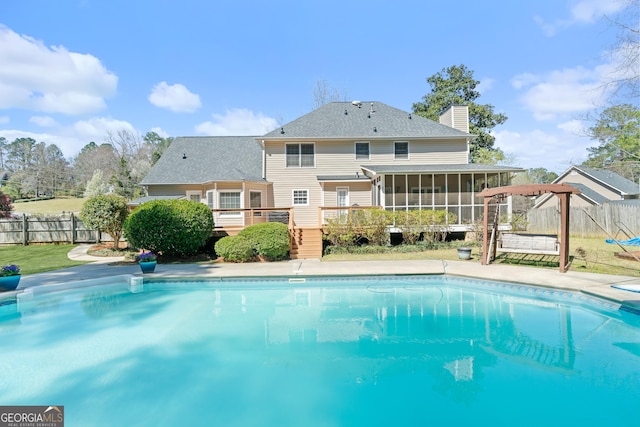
<point>73,70</point>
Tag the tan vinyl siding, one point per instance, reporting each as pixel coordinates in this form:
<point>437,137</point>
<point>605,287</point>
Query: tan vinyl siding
<point>337,158</point>
<point>596,186</point>
<point>173,190</point>
<point>359,193</point>
<point>457,117</point>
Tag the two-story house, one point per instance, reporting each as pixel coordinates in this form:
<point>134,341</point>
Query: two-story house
<point>339,155</point>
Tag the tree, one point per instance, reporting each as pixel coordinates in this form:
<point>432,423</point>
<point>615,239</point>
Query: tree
<point>618,132</point>
<point>323,94</point>
<point>625,52</point>
<point>133,160</point>
<point>91,158</point>
<point>5,206</point>
<point>158,145</point>
<point>96,186</point>
<point>106,213</point>
<point>456,85</point>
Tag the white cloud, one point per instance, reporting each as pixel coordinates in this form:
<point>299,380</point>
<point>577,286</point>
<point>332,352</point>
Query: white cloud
<point>175,97</point>
<point>4,120</point>
<point>43,121</point>
<point>563,92</point>
<point>161,132</point>
<point>238,121</point>
<point>51,79</point>
<point>555,151</point>
<point>97,128</point>
<point>581,12</point>
<point>485,85</point>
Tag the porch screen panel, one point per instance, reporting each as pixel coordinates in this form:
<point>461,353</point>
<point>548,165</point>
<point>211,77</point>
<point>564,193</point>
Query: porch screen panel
<point>439,189</point>
<point>388,191</point>
<point>400,191</point>
<point>480,183</point>
<point>466,188</point>
<point>414,189</point>
<point>453,189</point>
<point>426,196</point>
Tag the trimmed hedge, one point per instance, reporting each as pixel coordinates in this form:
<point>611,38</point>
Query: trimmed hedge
<point>169,227</point>
<point>234,249</point>
<point>270,239</point>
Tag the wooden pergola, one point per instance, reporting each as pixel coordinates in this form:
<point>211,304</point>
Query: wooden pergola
<point>563,191</point>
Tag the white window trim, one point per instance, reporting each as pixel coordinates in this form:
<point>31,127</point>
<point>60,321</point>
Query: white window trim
<point>259,213</point>
<point>300,167</point>
<point>355,152</point>
<point>228,214</point>
<point>293,199</point>
<point>192,193</point>
<point>408,150</point>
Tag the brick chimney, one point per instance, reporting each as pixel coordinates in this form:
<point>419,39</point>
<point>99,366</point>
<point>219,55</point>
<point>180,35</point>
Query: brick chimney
<point>457,117</point>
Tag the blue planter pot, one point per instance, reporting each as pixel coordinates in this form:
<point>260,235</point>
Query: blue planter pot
<point>148,266</point>
<point>9,283</point>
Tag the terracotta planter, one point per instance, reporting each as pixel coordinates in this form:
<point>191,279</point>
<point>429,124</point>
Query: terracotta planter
<point>9,283</point>
<point>148,266</point>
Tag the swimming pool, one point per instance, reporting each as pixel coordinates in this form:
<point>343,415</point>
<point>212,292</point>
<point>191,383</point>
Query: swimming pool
<point>404,350</point>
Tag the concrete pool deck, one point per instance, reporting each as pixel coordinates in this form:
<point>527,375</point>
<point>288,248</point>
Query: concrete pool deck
<point>589,283</point>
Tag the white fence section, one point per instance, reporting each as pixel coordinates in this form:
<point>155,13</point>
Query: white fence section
<point>64,229</point>
<point>617,219</point>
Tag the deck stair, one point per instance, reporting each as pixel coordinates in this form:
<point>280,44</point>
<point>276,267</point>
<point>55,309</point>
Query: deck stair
<point>306,243</point>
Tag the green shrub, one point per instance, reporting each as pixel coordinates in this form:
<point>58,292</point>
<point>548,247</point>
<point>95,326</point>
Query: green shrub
<point>106,213</point>
<point>169,227</point>
<point>235,248</point>
<point>430,224</point>
<point>374,225</point>
<point>270,239</point>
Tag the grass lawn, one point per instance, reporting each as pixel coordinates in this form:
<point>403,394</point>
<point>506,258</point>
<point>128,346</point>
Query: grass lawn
<point>38,258</point>
<point>53,206</point>
<point>596,256</point>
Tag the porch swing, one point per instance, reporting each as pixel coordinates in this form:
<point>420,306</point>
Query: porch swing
<point>539,244</point>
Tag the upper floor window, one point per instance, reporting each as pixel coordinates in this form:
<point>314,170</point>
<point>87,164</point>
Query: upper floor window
<point>301,155</point>
<point>362,150</point>
<point>401,150</point>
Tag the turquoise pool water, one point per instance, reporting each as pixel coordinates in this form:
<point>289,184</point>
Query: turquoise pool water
<point>425,351</point>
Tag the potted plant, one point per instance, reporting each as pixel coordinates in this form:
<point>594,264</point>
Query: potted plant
<point>147,261</point>
<point>464,253</point>
<point>9,277</point>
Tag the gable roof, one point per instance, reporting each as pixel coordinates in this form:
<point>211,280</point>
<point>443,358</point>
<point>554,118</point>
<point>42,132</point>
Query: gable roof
<point>605,177</point>
<point>344,120</point>
<point>201,159</point>
<point>588,193</point>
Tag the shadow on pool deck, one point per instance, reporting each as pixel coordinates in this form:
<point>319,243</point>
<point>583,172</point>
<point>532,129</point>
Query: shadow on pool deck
<point>589,283</point>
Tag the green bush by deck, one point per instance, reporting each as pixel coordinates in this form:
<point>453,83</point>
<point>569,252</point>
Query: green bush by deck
<point>169,227</point>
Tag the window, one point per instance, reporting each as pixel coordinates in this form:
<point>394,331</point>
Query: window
<point>230,200</point>
<point>300,155</point>
<point>300,197</point>
<point>210,199</point>
<point>362,150</point>
<point>401,150</point>
<point>194,196</point>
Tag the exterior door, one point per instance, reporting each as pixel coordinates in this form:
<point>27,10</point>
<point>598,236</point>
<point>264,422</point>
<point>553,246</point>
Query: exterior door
<point>342,199</point>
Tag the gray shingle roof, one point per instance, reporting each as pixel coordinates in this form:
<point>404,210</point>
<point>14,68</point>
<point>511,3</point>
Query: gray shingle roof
<point>208,158</point>
<point>612,179</point>
<point>345,120</point>
<point>471,167</point>
<point>589,193</point>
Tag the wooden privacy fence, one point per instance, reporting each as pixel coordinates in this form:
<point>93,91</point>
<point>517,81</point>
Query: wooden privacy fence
<point>618,219</point>
<point>64,229</point>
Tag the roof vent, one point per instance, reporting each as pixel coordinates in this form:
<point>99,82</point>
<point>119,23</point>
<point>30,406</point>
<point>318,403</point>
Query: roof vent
<point>357,103</point>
